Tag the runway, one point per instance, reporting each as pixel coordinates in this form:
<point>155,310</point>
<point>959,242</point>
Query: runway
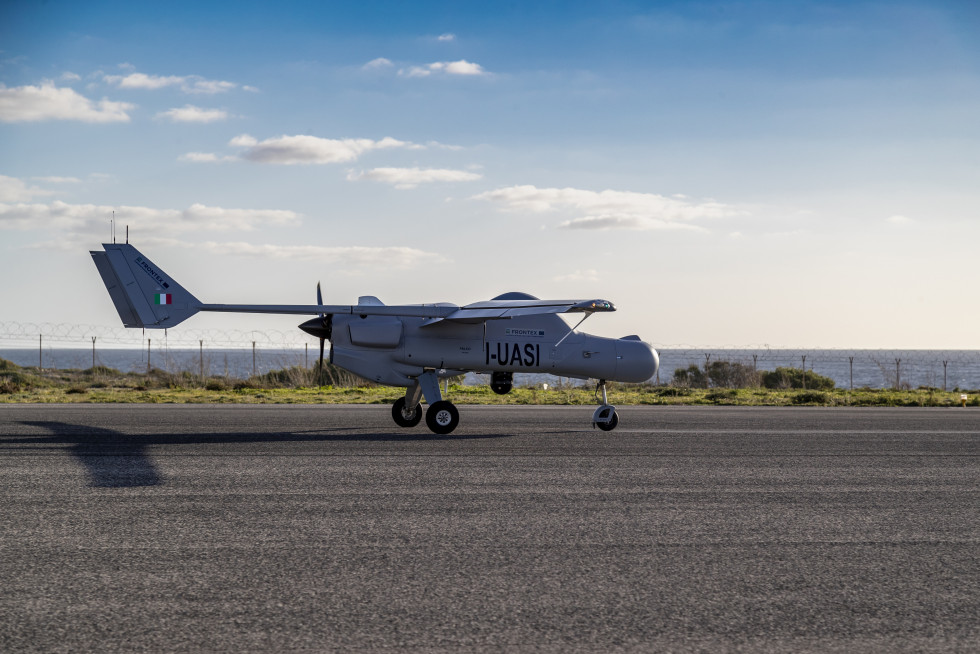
<point>328,528</point>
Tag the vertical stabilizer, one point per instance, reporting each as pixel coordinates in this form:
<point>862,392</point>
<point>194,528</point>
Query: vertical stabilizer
<point>143,294</point>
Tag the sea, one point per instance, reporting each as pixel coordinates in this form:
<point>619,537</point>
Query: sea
<point>942,369</point>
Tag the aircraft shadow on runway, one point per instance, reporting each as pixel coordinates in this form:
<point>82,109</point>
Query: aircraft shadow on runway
<point>114,459</point>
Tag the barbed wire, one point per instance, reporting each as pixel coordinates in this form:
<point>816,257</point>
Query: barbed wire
<point>82,334</point>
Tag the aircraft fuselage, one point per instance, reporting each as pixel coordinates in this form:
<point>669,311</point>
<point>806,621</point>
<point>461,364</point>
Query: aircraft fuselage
<point>395,351</point>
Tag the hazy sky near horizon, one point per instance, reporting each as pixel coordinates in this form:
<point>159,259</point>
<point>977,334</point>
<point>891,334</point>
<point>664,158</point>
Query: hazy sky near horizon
<point>800,174</point>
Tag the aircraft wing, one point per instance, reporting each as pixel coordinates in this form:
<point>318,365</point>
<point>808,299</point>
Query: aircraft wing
<point>408,310</point>
<point>500,309</point>
<point>476,312</point>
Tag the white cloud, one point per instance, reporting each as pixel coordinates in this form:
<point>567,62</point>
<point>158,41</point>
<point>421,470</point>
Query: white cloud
<point>303,149</point>
<point>58,180</point>
<point>446,37</point>
<point>208,86</point>
<point>90,219</point>
<point>608,209</point>
<point>443,146</point>
<point>461,67</point>
<point>143,81</point>
<point>187,83</point>
<point>386,257</point>
<point>415,71</point>
<point>406,178</point>
<point>205,157</point>
<point>69,76</point>
<point>375,64</point>
<point>69,224</point>
<point>48,102</point>
<point>900,220</point>
<point>243,141</point>
<point>15,190</point>
<point>191,114</point>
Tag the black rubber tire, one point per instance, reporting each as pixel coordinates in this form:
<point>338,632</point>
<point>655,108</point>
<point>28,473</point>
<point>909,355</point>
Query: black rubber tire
<point>609,426</point>
<point>398,413</point>
<point>442,417</point>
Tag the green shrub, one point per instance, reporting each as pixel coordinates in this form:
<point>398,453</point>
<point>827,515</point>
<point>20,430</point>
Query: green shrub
<point>14,381</point>
<point>101,370</point>
<point>287,377</point>
<point>782,378</point>
<point>690,377</point>
<point>810,397</point>
<point>719,374</point>
<point>673,391</point>
<point>728,374</point>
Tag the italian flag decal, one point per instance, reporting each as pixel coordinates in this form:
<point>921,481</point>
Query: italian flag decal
<point>165,298</point>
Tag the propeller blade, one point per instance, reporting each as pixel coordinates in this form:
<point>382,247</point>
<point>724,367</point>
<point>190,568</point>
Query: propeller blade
<point>319,297</point>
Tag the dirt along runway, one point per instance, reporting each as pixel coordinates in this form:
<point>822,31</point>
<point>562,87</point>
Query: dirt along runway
<point>210,528</point>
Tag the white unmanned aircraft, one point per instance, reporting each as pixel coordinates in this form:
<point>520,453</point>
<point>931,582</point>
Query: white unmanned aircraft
<point>411,345</point>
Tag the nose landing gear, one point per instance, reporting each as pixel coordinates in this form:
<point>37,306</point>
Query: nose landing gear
<point>605,417</point>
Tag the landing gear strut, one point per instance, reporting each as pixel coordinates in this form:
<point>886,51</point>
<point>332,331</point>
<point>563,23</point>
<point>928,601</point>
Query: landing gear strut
<point>605,417</point>
<point>442,416</point>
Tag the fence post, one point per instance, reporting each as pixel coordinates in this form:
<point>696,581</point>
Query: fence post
<point>945,363</point>
<point>804,371</point>
<point>93,354</point>
<point>253,358</point>
<point>40,357</point>
<point>148,368</point>
<point>201,344</point>
<point>898,371</point>
<point>850,360</point>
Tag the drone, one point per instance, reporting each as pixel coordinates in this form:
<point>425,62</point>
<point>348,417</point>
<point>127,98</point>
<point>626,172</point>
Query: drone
<point>412,345</point>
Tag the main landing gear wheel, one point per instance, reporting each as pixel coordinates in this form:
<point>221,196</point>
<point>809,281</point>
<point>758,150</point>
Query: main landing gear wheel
<point>406,417</point>
<point>442,417</point>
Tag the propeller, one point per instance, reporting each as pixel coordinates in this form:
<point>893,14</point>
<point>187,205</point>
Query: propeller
<point>321,327</point>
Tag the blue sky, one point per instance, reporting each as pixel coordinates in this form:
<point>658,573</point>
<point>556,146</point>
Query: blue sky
<point>729,174</point>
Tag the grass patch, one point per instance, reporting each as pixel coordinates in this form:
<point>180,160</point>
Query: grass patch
<point>299,386</point>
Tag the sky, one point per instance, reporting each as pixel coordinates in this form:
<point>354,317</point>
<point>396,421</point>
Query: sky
<point>729,174</point>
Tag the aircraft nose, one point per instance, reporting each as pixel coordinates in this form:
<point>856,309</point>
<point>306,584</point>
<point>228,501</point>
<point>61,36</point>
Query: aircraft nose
<point>636,361</point>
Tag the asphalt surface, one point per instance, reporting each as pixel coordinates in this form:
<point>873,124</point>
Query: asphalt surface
<point>327,528</point>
